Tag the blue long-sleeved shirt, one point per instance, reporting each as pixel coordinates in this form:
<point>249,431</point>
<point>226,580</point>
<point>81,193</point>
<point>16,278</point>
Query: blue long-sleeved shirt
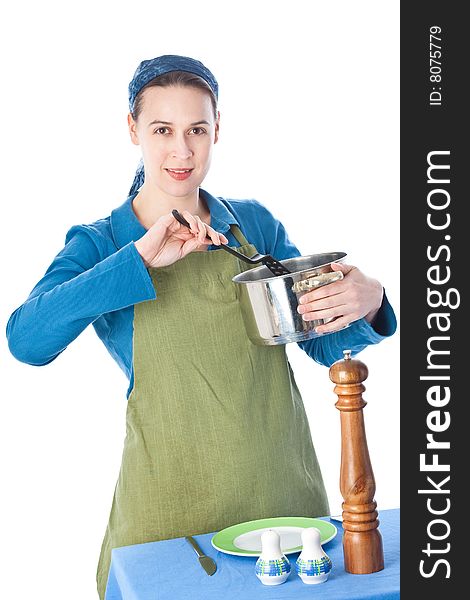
<point>99,276</point>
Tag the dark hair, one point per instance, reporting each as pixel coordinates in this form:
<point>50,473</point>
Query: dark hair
<point>174,78</point>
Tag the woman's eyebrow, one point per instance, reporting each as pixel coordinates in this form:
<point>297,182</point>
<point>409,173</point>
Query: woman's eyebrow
<point>157,121</point>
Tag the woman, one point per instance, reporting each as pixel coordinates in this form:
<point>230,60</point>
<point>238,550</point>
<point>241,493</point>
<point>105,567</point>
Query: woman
<point>216,429</point>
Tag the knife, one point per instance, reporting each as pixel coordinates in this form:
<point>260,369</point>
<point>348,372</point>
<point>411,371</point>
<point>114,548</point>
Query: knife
<point>207,563</point>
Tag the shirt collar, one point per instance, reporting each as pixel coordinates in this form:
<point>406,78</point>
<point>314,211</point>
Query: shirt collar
<point>126,227</point>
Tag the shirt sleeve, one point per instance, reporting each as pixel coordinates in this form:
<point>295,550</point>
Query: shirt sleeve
<point>81,284</point>
<point>327,349</point>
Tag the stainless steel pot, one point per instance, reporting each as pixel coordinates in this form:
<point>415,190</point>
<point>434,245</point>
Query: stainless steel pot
<point>269,302</point>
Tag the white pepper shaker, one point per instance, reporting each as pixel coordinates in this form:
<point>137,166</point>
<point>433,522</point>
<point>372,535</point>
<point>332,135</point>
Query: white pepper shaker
<point>272,566</point>
<point>313,564</point>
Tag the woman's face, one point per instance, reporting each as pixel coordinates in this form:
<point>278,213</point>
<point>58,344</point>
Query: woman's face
<point>176,131</point>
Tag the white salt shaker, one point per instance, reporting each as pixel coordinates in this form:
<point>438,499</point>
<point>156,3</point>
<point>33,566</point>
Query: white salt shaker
<point>313,565</point>
<point>272,566</point>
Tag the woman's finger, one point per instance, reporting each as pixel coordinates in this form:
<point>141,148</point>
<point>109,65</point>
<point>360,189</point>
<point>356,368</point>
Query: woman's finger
<point>324,292</point>
<point>193,223</point>
<point>322,303</point>
<point>336,325</point>
<point>202,233</point>
<point>343,267</point>
<point>190,245</point>
<point>328,313</point>
<point>216,237</point>
<point>213,235</point>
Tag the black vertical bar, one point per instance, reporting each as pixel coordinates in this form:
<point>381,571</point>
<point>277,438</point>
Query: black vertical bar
<point>434,429</point>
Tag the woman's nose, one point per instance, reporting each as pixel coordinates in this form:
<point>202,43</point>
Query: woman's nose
<point>181,149</point>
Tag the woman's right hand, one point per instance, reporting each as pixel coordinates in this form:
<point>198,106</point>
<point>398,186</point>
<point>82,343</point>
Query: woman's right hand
<point>168,241</point>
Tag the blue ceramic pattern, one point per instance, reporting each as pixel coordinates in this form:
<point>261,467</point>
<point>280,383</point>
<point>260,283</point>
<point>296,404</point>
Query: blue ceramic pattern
<point>278,566</point>
<point>313,567</point>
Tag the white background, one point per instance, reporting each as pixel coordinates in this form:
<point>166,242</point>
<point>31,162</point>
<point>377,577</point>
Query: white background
<point>309,98</point>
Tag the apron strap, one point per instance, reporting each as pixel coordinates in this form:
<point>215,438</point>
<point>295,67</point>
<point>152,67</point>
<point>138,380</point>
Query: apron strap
<point>238,235</point>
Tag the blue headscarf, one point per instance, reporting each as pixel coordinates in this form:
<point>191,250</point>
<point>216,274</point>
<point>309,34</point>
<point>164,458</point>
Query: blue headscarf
<point>148,70</point>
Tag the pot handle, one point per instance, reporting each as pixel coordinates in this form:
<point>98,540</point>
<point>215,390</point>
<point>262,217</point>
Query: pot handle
<point>317,281</point>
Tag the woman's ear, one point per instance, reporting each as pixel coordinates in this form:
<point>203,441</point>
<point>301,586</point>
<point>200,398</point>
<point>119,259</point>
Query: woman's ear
<point>217,122</point>
<point>133,130</point>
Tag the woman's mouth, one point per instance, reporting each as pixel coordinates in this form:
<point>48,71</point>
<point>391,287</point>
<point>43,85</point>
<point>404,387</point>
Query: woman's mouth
<point>179,174</point>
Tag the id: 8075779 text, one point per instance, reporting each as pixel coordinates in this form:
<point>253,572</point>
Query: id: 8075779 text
<point>435,65</point>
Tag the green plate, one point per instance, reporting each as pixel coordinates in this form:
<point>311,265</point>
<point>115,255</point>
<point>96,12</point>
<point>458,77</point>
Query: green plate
<point>244,539</point>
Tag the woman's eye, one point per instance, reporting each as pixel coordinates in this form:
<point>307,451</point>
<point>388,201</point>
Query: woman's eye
<point>197,130</point>
<point>161,130</point>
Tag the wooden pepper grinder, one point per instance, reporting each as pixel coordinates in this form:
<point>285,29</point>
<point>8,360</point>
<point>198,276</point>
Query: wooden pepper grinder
<point>362,541</point>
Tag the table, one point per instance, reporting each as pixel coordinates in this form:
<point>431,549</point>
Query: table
<point>170,570</point>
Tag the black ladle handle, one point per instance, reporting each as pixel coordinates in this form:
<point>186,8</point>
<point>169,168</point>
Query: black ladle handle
<point>179,217</point>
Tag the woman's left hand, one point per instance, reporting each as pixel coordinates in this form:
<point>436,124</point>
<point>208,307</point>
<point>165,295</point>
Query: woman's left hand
<point>346,300</point>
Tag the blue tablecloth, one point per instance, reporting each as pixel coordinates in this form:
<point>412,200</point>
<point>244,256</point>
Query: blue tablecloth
<point>170,570</point>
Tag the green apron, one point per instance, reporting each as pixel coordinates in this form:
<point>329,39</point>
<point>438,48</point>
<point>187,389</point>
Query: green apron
<point>216,429</point>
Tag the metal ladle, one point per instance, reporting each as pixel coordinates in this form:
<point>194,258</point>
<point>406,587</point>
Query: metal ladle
<point>273,265</point>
